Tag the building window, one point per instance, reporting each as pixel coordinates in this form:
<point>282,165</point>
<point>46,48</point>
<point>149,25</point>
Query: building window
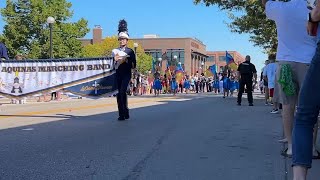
<point>222,58</point>
<point>211,58</point>
<point>155,53</point>
<point>175,52</point>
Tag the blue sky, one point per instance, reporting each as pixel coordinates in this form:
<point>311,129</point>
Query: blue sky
<point>166,18</point>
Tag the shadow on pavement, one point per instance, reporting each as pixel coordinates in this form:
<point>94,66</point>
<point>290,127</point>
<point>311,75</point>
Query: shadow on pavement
<point>87,147</point>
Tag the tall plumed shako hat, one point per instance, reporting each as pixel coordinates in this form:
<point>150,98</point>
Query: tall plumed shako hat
<point>311,4</point>
<point>123,29</point>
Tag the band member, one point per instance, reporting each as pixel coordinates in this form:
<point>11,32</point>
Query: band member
<point>125,60</point>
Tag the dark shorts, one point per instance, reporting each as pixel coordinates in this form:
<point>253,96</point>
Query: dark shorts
<point>271,92</point>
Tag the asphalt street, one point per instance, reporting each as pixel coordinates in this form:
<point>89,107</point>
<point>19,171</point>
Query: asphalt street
<point>182,138</point>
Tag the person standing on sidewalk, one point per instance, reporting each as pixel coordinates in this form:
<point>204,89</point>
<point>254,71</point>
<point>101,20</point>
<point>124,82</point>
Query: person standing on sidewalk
<point>265,84</point>
<point>269,75</point>
<point>197,82</point>
<point>304,131</point>
<point>125,61</point>
<point>294,53</point>
<point>246,72</point>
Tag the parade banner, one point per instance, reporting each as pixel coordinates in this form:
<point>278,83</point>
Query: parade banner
<point>93,77</point>
<point>104,86</point>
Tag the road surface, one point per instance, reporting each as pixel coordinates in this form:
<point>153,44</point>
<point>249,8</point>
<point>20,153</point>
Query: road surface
<point>190,137</point>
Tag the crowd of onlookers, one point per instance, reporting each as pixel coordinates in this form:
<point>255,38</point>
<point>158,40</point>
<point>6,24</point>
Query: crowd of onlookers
<point>156,84</point>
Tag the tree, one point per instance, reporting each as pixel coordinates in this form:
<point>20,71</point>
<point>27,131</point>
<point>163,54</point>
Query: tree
<point>27,32</point>
<point>252,21</point>
<point>144,61</point>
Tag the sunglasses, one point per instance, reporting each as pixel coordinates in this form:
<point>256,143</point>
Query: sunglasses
<point>120,39</point>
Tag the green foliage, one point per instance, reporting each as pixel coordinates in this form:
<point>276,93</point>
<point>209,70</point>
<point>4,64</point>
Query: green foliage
<point>144,61</point>
<point>27,31</point>
<point>252,20</point>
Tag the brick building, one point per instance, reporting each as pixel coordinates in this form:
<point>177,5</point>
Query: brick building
<point>97,36</point>
<point>219,58</point>
<point>190,52</point>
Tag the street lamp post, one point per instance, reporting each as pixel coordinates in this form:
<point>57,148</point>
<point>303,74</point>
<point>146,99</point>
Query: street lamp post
<point>159,60</point>
<point>202,66</point>
<point>175,57</point>
<point>50,21</point>
<point>135,45</point>
<point>159,63</point>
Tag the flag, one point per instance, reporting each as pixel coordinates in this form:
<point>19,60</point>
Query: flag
<point>230,61</point>
<point>213,69</point>
<point>172,68</point>
<point>233,66</point>
<point>168,71</point>
<point>208,73</point>
<point>179,72</point>
<point>229,58</point>
<point>179,75</point>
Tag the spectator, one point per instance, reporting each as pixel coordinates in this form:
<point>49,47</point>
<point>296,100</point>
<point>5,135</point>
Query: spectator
<point>265,84</point>
<point>294,53</point>
<point>308,110</point>
<point>3,52</point>
<point>269,74</point>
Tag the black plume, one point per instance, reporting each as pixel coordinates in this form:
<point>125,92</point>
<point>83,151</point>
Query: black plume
<point>123,26</point>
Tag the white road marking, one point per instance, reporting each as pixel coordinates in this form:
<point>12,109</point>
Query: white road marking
<point>28,129</point>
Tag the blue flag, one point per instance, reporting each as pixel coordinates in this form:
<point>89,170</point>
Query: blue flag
<point>213,69</point>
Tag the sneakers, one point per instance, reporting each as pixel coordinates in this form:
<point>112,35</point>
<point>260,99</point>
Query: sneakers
<point>267,104</point>
<point>283,140</point>
<point>250,104</point>
<point>274,111</point>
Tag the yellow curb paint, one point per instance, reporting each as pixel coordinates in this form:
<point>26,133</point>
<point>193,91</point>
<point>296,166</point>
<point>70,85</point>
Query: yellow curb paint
<point>77,108</point>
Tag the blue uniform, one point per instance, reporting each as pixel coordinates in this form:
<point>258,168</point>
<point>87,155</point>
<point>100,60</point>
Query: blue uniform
<point>174,84</point>
<point>187,84</point>
<point>216,84</point>
<point>233,85</point>
<point>226,83</point>
<point>157,84</point>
